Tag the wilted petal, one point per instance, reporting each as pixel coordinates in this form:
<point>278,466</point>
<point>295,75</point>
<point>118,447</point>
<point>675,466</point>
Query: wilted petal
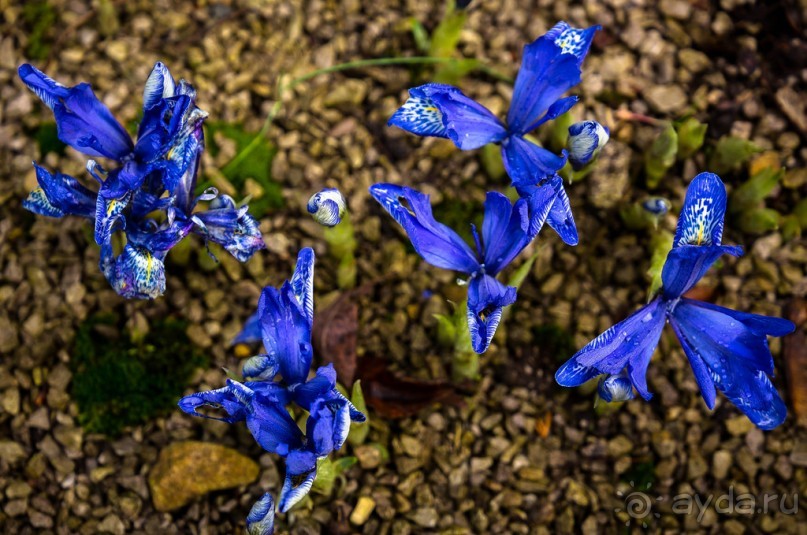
<point>222,399</point>
<point>436,243</point>
<point>82,121</point>
<point>261,518</point>
<point>486,298</point>
<point>701,219</point>
<point>232,228</point>
<point>59,195</point>
<point>586,140</point>
<point>444,111</point>
<point>732,347</point>
<point>327,206</point>
<point>629,343</point>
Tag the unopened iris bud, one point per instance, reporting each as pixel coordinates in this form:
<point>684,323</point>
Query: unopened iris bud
<point>261,518</point>
<point>328,207</point>
<point>615,388</point>
<point>657,206</point>
<point>586,140</point>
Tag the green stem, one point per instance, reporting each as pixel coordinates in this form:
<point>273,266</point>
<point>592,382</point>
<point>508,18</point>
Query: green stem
<point>361,63</point>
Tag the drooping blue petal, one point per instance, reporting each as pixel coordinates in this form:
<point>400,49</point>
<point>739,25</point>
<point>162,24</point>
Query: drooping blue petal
<point>546,73</point>
<point>528,164</point>
<point>327,206</point>
<point>261,367</point>
<point>137,273</point>
<point>701,219</point>
<point>82,121</point>
<point>232,228</point>
<point>159,85</point>
<point>540,199</point>
<point>109,217</point>
<point>59,195</point>
<point>441,110</point>
<point>736,355</point>
<point>560,217</point>
<point>586,140</point>
<point>161,239</point>
<point>505,231</point>
<point>317,388</point>
<point>221,399</point>
<point>686,264</point>
<point>486,298</point>
<point>302,282</point>
<point>261,518</point>
<point>572,41</point>
<point>181,160</point>
<point>286,332</point>
<point>630,343</point>
<point>615,388</point>
<point>436,243</point>
<point>251,332</point>
<point>290,494</point>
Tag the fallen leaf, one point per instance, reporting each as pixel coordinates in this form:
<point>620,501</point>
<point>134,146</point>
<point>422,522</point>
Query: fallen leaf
<point>543,425</point>
<point>394,396</point>
<point>794,351</point>
<point>334,337</point>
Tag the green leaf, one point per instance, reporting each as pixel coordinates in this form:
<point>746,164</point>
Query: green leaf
<point>754,190</point>
<point>661,156</point>
<point>420,35</point>
<point>344,464</point>
<point>791,227</point>
<point>760,221</point>
<point>257,166</point>
<point>661,243</point>
<point>358,431</point>
<point>447,34</point>
<point>691,134</point>
<point>446,330</point>
<point>559,131</point>
<point>47,138</point>
<point>636,217</point>
<point>491,158</point>
<point>731,153</point>
<point>326,475</point>
<point>453,71</point>
<point>800,211</point>
<point>517,278</point>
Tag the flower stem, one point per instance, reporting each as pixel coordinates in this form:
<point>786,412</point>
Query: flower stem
<point>357,64</point>
<point>465,361</point>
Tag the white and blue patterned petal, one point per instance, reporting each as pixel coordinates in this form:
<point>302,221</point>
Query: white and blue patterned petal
<point>574,41</point>
<point>59,195</point>
<point>486,299</point>
<point>38,203</point>
<point>419,115</point>
<point>327,206</point>
<point>302,282</point>
<point>261,518</point>
<point>701,219</point>
<point>586,140</point>
<point>261,368</point>
<point>159,85</point>
<point>290,494</point>
<point>138,274</point>
<point>657,206</point>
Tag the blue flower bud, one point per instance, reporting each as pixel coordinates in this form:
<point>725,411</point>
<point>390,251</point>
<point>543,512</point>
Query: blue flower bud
<point>586,140</point>
<point>615,388</point>
<point>328,207</point>
<point>658,206</point>
<point>261,518</point>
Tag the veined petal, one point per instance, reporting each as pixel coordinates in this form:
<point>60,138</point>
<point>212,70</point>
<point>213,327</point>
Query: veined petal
<point>630,343</point>
<point>615,388</point>
<point>261,518</point>
<point>317,388</point>
<point>572,41</point>
<point>505,231</point>
<point>441,110</point>
<point>162,239</point>
<point>268,421</point>
<point>59,195</point>
<point>486,298</point>
<point>232,228</point>
<point>286,332</point>
<point>528,164</point>
<point>701,219</point>
<point>436,243</point>
<point>736,355</point>
<point>546,73</point>
<point>290,494</point>
<point>540,199</point>
<point>302,282</point>
<point>159,85</point>
<point>108,217</point>
<point>82,121</point>
<point>687,264</point>
<point>560,217</point>
<point>139,274</point>
<point>222,399</point>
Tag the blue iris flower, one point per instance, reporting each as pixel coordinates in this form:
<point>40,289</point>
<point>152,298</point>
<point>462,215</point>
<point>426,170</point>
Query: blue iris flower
<point>728,350</point>
<point>149,192</point>
<point>278,378</point>
<point>551,66</point>
<point>506,230</point>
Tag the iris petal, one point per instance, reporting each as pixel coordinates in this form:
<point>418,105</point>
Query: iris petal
<point>687,264</point>
<point>572,41</point>
<point>261,518</point>
<point>486,298</point>
<point>302,282</point>
<point>222,398</point>
<point>736,354</point>
<point>290,494</point>
<point>286,332</point>
<point>701,219</point>
<point>528,164</point>
<point>505,231</point>
<point>560,217</point>
<point>436,243</point>
<point>159,85</point>
<point>232,228</point>
<point>59,195</point>
<point>137,273</point>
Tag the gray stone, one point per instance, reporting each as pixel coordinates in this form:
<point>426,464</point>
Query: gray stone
<point>666,98</point>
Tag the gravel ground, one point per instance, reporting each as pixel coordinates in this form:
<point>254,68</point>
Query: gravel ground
<point>523,455</point>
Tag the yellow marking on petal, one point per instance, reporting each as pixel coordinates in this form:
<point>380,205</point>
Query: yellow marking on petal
<point>149,262</point>
<point>111,207</point>
<point>700,234</point>
<point>430,108</point>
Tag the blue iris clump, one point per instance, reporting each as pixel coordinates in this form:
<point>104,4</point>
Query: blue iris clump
<point>728,350</point>
<point>147,193</point>
<point>279,379</point>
